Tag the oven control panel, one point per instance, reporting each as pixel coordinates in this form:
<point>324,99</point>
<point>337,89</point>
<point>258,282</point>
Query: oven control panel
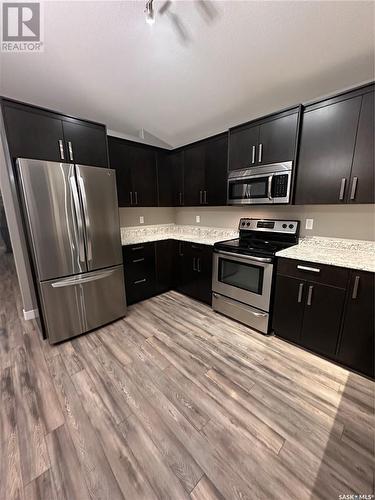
<point>269,225</point>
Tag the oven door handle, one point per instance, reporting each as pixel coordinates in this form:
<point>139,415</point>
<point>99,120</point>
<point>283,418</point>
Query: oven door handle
<point>246,257</point>
<point>270,178</point>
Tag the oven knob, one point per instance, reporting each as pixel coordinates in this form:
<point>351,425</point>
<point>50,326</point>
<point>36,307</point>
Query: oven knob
<point>248,224</point>
<point>291,226</point>
<point>284,226</point>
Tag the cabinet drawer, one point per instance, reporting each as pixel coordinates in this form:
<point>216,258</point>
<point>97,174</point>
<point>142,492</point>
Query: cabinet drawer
<point>311,271</point>
<point>132,252</point>
<point>140,289</point>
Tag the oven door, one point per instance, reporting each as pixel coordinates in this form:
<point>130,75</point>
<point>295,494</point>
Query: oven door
<point>243,278</point>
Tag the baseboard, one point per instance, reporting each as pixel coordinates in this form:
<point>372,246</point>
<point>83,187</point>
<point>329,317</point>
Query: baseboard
<point>31,314</point>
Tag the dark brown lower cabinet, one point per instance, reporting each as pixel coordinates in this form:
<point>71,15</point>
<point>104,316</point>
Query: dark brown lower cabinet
<point>356,347</point>
<point>328,310</point>
<point>153,268</point>
<point>288,308</point>
<point>322,318</point>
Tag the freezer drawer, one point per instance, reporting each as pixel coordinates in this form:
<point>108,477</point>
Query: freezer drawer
<point>83,302</point>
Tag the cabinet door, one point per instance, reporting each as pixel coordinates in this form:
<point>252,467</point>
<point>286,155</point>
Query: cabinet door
<point>183,267</point>
<point>203,275</point>
<point>216,171</point>
<point>88,143</point>
<point>33,135</point>
<point>243,147</point>
<point>288,307</point>
<point>277,140</point>
<point>322,318</point>
<point>194,174</point>
<point>361,188</point>
<point>120,159</point>
<point>164,265</point>
<point>143,168</point>
<point>326,152</point>
<point>170,178</point>
<point>357,342</point>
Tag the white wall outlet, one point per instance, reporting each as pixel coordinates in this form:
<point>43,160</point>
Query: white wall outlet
<point>197,219</point>
<point>141,219</point>
<point>309,223</point>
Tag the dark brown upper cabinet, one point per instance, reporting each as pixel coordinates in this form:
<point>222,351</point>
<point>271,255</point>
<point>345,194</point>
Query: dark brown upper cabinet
<point>44,135</point>
<point>271,139</point>
<point>361,186</point>
<point>336,156</point>
<point>170,172</point>
<point>135,166</point>
<point>205,172</point>
<point>86,144</point>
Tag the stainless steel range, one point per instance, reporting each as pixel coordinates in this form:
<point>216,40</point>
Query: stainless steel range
<point>243,270</point>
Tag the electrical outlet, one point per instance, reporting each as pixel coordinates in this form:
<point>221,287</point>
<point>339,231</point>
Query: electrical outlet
<point>141,219</point>
<point>309,223</point>
<point>197,219</point>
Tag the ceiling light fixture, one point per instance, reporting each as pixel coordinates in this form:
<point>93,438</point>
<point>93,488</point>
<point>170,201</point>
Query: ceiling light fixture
<point>149,10</point>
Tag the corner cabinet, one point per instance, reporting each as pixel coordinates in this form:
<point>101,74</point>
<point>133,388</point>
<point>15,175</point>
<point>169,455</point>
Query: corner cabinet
<point>336,153</point>
<point>271,139</point>
<point>135,166</point>
<point>328,310</point>
<point>41,134</point>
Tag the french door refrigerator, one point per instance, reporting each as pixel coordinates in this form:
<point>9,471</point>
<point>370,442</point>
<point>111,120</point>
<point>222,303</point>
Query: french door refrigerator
<point>72,219</point>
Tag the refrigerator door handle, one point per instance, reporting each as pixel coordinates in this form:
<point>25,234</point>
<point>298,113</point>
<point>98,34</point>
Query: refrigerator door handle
<point>86,216</point>
<point>82,280</point>
<point>78,213</point>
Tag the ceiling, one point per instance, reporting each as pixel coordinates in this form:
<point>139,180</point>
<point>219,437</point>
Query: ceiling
<point>236,61</point>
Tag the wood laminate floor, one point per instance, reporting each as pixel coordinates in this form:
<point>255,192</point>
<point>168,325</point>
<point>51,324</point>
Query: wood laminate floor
<point>175,402</point>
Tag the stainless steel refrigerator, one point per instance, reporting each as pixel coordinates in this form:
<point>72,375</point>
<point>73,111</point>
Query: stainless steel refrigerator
<point>72,220</point>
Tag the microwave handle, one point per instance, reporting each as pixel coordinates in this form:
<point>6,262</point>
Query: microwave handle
<point>270,178</point>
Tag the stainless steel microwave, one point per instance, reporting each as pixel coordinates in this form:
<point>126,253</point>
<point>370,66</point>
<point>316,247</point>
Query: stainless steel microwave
<point>259,185</point>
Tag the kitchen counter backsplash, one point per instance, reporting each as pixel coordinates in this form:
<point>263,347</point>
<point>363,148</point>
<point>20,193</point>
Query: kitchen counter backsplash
<point>196,234</point>
<point>353,254</point>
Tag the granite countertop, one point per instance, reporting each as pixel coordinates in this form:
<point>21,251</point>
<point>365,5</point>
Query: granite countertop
<point>353,254</point>
<point>195,234</point>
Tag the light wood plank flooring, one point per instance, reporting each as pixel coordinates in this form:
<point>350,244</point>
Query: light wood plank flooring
<point>175,402</point>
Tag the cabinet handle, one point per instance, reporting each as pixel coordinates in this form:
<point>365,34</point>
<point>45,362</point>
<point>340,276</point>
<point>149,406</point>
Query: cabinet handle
<point>205,197</point>
<point>138,282</point>
<point>300,291</point>
<point>138,260</point>
<point>198,264</point>
<point>136,197</point>
<point>70,149</point>
<point>180,195</point>
<point>260,154</point>
<point>61,146</point>
<point>253,154</point>
<point>342,188</point>
<point>200,197</point>
<point>354,188</point>
<point>355,287</point>
<point>180,253</point>
<point>137,248</point>
<point>194,265</point>
<point>131,197</point>
<point>309,296</point>
<point>307,268</point>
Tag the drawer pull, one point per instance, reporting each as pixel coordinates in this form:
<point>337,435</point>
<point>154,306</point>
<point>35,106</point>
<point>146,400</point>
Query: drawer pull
<point>300,290</point>
<point>355,287</point>
<point>307,268</point>
<point>138,260</point>
<point>309,297</point>
<point>137,248</point>
<point>138,282</point>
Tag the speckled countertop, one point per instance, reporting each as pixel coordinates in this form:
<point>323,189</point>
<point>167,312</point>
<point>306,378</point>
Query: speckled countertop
<point>353,254</point>
<point>196,234</point>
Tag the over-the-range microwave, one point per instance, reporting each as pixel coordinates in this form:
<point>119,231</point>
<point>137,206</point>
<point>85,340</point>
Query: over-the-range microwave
<point>259,185</point>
